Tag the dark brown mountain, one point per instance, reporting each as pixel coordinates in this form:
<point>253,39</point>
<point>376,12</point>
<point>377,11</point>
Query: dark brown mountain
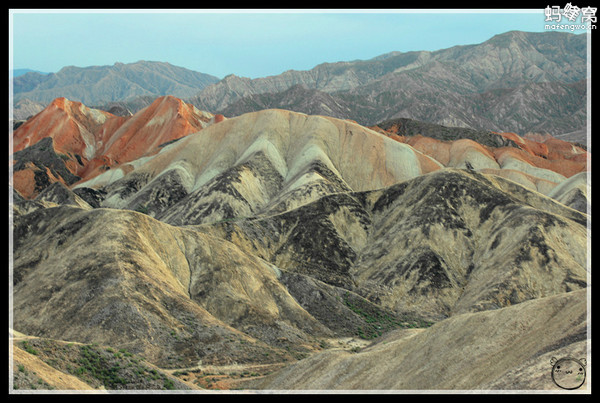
<point>297,98</point>
<point>516,81</point>
<point>554,108</point>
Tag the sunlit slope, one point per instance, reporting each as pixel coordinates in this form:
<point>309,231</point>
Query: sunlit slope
<point>123,279</point>
<point>273,159</point>
<point>505,348</point>
<point>68,141</point>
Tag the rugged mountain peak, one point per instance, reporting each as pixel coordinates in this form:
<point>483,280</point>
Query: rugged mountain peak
<point>168,118</point>
<point>507,37</point>
<point>71,124</point>
<point>232,81</point>
<point>90,141</point>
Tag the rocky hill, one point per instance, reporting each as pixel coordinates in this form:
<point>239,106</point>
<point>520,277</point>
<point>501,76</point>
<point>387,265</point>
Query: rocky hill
<point>25,109</point>
<point>466,353</point>
<point>537,162</point>
<point>275,238</point>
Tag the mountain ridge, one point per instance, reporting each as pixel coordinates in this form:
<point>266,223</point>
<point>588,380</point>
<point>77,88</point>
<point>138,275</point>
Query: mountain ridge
<point>444,86</point>
<point>98,141</point>
<point>508,60</point>
<point>98,84</point>
<point>85,142</point>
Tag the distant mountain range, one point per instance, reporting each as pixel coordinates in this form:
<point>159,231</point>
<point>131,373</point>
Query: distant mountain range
<point>101,84</point>
<point>516,81</point>
<point>20,72</point>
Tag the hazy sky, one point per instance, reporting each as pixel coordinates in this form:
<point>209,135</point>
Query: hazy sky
<point>249,43</point>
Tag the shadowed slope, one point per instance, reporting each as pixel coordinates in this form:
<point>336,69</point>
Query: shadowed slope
<point>574,192</point>
<point>444,243</point>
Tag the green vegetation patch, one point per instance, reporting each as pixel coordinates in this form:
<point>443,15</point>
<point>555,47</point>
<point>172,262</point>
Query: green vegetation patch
<point>378,321</point>
<point>98,366</point>
<point>27,347</point>
<point>118,370</point>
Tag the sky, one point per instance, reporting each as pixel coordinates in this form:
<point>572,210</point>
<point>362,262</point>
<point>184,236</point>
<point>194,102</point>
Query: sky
<point>248,43</point>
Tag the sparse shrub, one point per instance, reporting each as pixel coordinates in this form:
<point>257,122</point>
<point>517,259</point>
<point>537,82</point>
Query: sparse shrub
<point>378,321</point>
<point>142,209</point>
<point>28,348</point>
<point>125,353</point>
<point>168,384</point>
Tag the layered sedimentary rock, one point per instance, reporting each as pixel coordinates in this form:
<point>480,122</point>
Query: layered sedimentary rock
<point>539,162</point>
<point>84,142</point>
<point>263,238</point>
<point>272,160</point>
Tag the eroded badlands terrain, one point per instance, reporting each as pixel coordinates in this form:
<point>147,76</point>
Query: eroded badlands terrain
<point>176,249</point>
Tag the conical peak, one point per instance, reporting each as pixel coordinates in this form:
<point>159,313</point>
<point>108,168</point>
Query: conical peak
<point>167,99</point>
<point>174,106</point>
<point>78,110</point>
<point>66,104</point>
<point>59,102</point>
